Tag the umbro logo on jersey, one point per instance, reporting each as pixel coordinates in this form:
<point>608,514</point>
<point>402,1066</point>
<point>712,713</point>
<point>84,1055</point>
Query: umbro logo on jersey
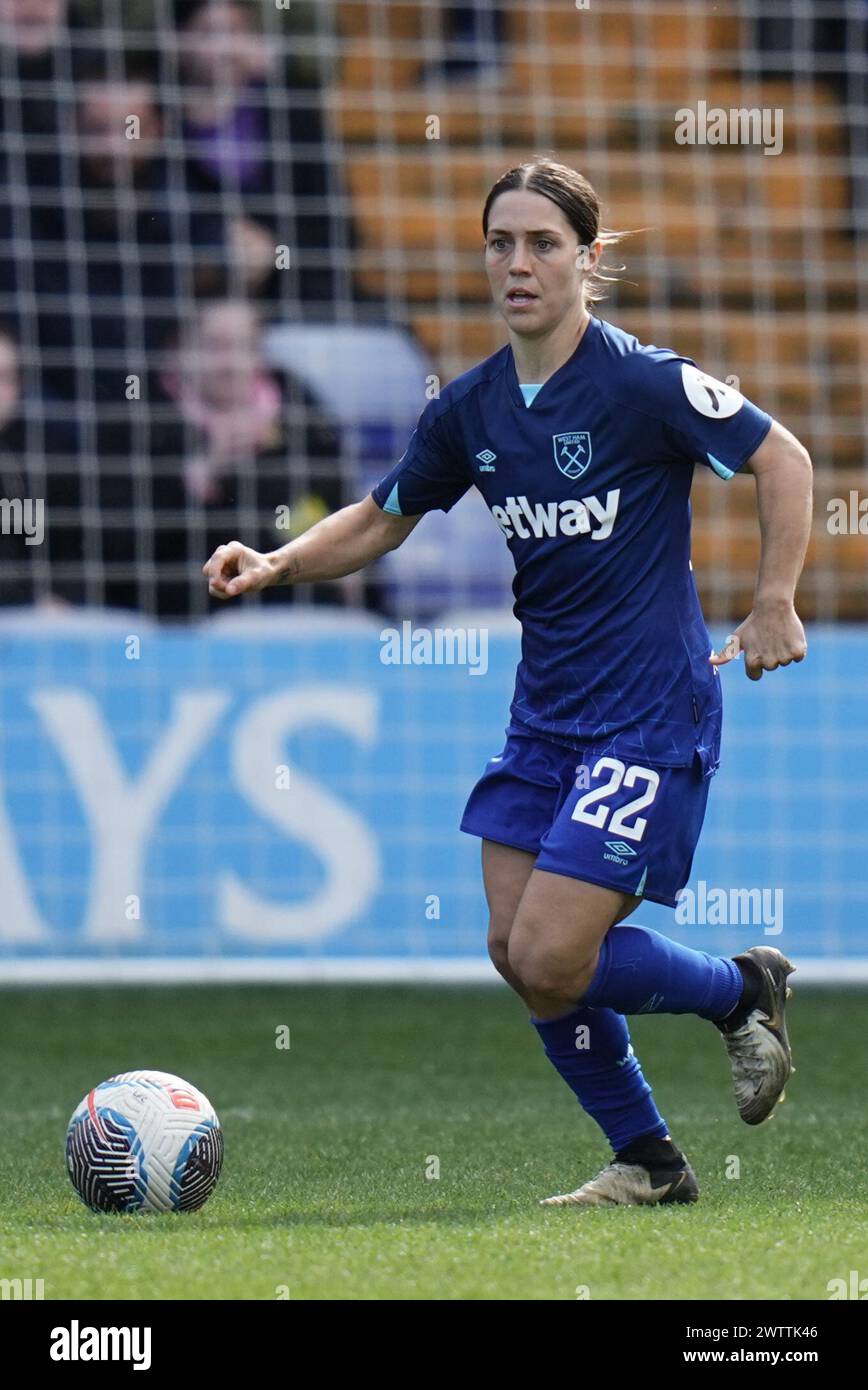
<point>572,452</point>
<point>486,461</point>
<point>519,517</point>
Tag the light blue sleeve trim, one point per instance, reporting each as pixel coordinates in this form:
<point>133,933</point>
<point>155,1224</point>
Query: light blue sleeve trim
<point>529,392</point>
<point>392,504</point>
<point>720,468</point>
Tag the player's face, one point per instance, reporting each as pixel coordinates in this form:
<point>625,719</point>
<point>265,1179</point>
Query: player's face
<point>533,262</point>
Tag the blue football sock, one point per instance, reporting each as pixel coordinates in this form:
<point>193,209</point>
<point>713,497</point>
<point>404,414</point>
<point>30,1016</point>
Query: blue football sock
<point>591,1050</point>
<point>643,972</point>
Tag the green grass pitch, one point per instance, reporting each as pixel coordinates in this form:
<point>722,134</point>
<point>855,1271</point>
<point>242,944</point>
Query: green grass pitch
<point>325,1192</point>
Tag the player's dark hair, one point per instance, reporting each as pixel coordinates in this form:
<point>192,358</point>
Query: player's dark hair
<point>577,200</point>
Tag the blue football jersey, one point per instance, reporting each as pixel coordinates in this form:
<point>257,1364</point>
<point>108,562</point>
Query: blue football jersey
<point>590,485</point>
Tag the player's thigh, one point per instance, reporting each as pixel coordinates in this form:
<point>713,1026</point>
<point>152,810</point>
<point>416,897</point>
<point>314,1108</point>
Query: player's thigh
<point>505,872</point>
<point>559,926</point>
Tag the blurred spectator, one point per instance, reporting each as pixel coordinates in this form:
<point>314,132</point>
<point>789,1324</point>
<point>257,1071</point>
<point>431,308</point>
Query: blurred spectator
<point>235,450</point>
<point>253,126</point>
<point>474,36</point>
<point>38,71</point>
<point>32,452</point>
<point>35,102</point>
<point>31,27</point>
<point>34,60</point>
<point>16,580</point>
<point>114,256</point>
<point>242,451</point>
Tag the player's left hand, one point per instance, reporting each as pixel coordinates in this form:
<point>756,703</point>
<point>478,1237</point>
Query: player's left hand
<point>770,636</point>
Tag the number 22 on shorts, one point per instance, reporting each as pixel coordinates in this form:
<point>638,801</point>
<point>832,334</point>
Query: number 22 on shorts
<point>619,775</point>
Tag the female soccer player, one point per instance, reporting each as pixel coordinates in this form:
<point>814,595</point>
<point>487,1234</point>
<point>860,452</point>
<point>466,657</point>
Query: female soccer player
<point>583,444</point>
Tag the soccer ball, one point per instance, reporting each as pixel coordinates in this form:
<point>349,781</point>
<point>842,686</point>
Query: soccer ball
<point>144,1141</point>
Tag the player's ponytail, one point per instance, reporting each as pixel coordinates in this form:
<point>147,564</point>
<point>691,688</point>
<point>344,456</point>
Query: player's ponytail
<point>577,200</point>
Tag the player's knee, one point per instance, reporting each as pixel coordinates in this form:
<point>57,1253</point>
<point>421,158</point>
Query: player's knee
<point>544,971</point>
<point>498,946</point>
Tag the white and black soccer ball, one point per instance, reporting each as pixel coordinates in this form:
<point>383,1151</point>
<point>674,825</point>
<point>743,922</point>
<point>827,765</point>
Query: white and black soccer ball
<point>144,1141</point>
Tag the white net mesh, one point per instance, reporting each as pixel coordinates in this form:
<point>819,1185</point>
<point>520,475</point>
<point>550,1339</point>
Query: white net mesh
<point>327,164</point>
<point>240,246</point>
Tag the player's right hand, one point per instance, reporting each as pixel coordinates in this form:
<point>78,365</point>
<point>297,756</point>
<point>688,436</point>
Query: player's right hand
<point>236,569</point>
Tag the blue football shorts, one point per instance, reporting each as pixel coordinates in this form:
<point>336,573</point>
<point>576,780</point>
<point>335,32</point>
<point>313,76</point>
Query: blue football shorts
<point>625,825</point>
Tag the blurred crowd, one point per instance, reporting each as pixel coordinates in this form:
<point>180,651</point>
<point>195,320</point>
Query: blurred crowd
<point>160,202</point>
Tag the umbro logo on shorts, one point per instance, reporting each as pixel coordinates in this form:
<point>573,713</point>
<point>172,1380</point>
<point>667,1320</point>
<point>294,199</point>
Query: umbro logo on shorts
<point>618,852</point>
<point>618,847</point>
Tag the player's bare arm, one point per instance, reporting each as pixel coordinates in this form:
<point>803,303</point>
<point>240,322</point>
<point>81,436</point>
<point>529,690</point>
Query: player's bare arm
<point>338,545</point>
<point>772,634</point>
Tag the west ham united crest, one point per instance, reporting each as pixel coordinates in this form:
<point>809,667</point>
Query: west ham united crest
<point>572,452</point>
